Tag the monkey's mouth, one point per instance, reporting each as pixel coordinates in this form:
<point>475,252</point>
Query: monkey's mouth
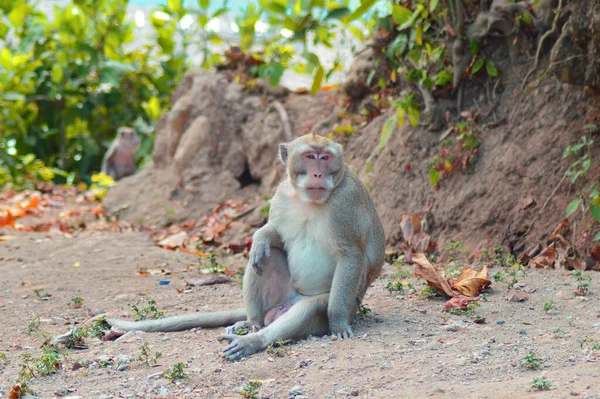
<point>315,193</point>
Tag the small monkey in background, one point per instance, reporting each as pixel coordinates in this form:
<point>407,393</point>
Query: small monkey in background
<point>310,265</point>
<point>119,160</point>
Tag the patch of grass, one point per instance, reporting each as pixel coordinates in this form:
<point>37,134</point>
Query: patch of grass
<point>34,325</point>
<point>540,384</point>
<point>548,306</point>
<point>105,363</point>
<point>510,276</point>
<point>277,348</point>
<point>146,354</point>
<point>429,292</point>
<point>147,312</point>
<point>250,390</point>
<point>76,302</point>
<point>558,333</point>
<point>363,311</point>
<point>176,372</point>
<point>471,310</point>
<point>98,326</point>
<point>582,282</point>
<point>531,361</point>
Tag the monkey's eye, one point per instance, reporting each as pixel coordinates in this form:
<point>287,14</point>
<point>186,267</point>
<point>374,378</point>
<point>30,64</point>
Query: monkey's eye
<point>325,157</point>
<point>311,156</point>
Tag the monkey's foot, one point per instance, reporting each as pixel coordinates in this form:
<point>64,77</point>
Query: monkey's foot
<point>241,346</point>
<point>342,331</point>
<point>241,325</point>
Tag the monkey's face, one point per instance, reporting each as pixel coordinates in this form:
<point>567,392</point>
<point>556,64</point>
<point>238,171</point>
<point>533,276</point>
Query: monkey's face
<point>315,174</point>
<point>128,137</point>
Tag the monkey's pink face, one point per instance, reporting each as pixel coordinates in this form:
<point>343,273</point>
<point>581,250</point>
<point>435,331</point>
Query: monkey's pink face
<point>318,179</point>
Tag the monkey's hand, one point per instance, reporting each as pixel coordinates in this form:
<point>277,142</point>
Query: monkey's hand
<point>341,329</point>
<point>260,249</point>
<point>241,346</point>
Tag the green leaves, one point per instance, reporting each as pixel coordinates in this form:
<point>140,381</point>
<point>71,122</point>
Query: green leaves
<point>338,13</point>
<point>400,14</point>
<point>17,15</point>
<point>490,67</point>
<point>387,130</point>
<point>477,66</point>
<point>317,80</point>
<point>573,207</point>
<point>271,72</point>
<point>595,211</point>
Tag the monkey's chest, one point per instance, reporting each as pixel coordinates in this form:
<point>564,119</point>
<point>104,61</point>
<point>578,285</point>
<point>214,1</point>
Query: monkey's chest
<point>310,259</point>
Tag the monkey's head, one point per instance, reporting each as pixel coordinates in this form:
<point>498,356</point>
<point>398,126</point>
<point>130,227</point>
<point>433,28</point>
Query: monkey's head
<point>315,166</point>
<point>128,136</point>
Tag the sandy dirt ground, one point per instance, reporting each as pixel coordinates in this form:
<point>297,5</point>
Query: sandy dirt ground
<point>407,347</point>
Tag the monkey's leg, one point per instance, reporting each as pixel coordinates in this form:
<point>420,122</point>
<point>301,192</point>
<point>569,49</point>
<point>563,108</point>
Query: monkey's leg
<point>266,291</point>
<point>306,317</point>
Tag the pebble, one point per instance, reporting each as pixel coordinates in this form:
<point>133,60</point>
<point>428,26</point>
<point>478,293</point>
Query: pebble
<point>500,322</point>
<point>295,391</point>
<point>523,332</point>
<point>62,391</point>
<point>452,327</point>
<point>597,325</point>
<point>122,367</point>
<point>384,366</point>
<point>301,374</point>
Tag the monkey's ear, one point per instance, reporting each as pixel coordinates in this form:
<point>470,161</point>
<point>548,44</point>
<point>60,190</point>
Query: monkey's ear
<point>283,153</point>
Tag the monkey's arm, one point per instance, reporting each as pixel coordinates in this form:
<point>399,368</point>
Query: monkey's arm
<point>263,240</point>
<point>343,302</point>
<point>107,167</point>
<point>181,323</point>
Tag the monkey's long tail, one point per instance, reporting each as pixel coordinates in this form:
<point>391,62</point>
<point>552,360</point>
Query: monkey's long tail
<point>181,323</point>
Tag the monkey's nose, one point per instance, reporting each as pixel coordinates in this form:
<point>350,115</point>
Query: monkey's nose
<point>318,175</point>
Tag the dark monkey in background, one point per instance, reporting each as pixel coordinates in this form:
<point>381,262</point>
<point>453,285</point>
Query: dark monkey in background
<point>119,160</point>
<point>310,265</point>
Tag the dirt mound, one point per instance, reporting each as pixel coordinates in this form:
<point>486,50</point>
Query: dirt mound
<point>220,139</point>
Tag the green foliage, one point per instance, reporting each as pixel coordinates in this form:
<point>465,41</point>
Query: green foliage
<point>588,197</point>
<point>146,354</point>
<point>582,281</point>
<point>459,152</point>
<point>540,384</point>
<point>176,372</point>
<point>70,80</point>
<point>531,361</point>
<point>250,390</point>
<point>149,311</point>
<point>98,326</point>
<point>548,306</point>
<point>510,275</point>
<point>471,310</point>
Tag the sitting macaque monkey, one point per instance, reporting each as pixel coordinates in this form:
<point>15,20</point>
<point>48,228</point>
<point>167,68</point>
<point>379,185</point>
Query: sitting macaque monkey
<point>310,265</point>
<point>119,160</point>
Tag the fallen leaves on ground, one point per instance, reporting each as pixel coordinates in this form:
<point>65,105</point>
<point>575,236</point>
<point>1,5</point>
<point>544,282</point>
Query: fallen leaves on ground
<point>415,239</point>
<point>432,274</point>
<point>460,301</point>
<point>471,282</point>
<point>514,295</point>
<point>545,258</point>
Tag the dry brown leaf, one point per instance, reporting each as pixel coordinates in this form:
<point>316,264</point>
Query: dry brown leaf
<point>526,202</point>
<point>471,282</point>
<point>460,302</point>
<point>559,230</point>
<point>6,218</point>
<point>416,240</point>
<point>174,241</point>
<point>514,295</point>
<point>433,275</point>
<point>545,258</point>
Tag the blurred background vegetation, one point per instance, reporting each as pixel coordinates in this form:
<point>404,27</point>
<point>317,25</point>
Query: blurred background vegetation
<point>72,73</point>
